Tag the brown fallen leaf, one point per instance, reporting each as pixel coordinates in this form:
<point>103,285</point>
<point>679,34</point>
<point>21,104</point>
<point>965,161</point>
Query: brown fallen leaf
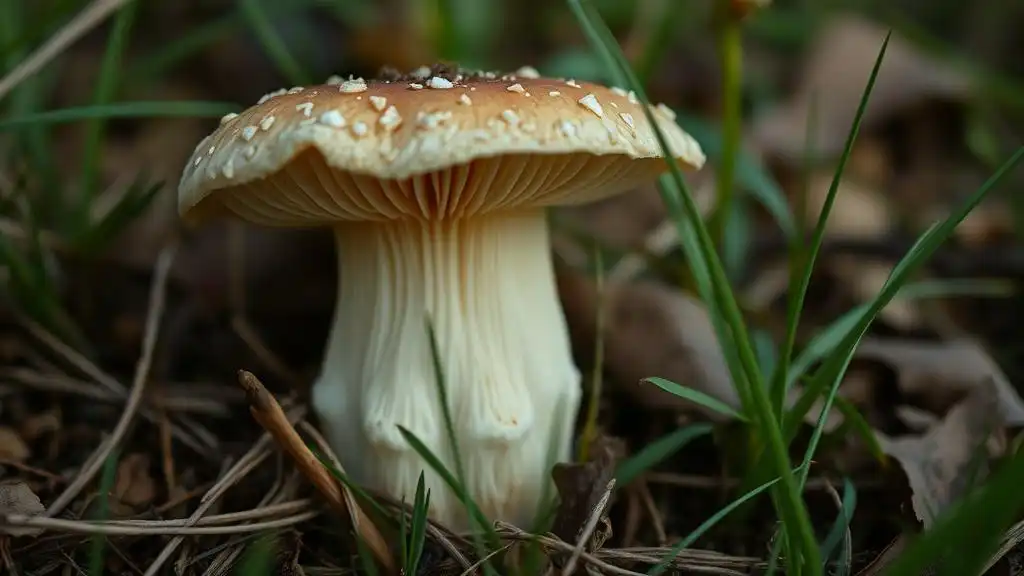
<point>133,485</point>
<point>650,330</point>
<point>858,212</point>
<point>12,447</point>
<point>583,490</point>
<point>944,463</point>
<point>17,498</point>
<point>940,373</point>
<point>837,71</point>
<point>864,278</point>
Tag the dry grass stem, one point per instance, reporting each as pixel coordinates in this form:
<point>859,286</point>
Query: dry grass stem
<point>268,413</point>
<point>86,20</point>
<point>246,464</point>
<point>589,527</point>
<point>153,316</point>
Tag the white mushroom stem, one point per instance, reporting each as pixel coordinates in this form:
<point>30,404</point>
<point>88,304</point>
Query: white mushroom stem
<point>487,284</point>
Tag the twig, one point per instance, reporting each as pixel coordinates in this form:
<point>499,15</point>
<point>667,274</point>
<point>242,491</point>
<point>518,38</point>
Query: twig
<point>481,561</point>
<point>268,413</point>
<point>647,499</point>
<point>81,363</point>
<point>86,20</point>
<point>589,527</point>
<point>156,308</point>
<point>259,452</point>
<point>108,529</point>
<point>440,535</point>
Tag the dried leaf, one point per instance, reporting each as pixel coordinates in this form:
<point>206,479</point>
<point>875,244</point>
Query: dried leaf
<point>940,373</point>
<point>581,488</point>
<point>834,78</point>
<point>12,447</point>
<point>17,498</point>
<point>864,278</point>
<point>650,330</point>
<point>943,464</point>
<point>859,212</point>
<point>133,484</point>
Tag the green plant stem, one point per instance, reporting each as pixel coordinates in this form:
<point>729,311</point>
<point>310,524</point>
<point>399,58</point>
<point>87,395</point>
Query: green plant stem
<point>730,49</point>
<point>596,379</point>
<point>682,208</point>
<point>106,89</point>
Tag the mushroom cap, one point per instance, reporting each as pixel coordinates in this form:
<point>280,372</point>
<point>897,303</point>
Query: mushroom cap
<point>440,142</point>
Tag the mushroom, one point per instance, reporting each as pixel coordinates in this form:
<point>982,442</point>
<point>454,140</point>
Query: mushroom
<point>435,185</point>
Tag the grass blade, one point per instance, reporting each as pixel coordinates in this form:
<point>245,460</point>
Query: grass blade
<point>790,506</point>
<point>832,370</point>
<point>710,523</point>
<point>418,531</point>
<point>446,475</point>
<point>656,452</point>
<point>980,519</point>
<point>260,23</point>
<point>697,397</point>
<point>818,237</point>
<point>153,109</point>
<point>106,90</point>
<point>838,531</point>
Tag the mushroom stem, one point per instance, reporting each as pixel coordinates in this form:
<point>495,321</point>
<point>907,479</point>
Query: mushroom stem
<point>487,285</point>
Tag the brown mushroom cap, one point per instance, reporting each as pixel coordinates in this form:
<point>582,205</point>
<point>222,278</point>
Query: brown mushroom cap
<point>444,144</point>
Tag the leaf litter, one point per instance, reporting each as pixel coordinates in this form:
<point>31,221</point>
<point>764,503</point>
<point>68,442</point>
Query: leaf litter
<point>195,478</point>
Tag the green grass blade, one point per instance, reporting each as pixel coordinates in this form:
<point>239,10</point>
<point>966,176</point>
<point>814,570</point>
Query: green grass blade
<point>155,109</point>
<point>657,452</point>
<point>799,292</point>
<point>750,174</point>
<point>854,421</point>
<point>98,547</point>
<point>262,26</point>
<point>589,433</point>
<point>259,556</point>
<point>697,397</point>
<point>710,523</point>
<point>797,264</point>
<point>418,532</point>
<point>362,496</point>
<point>829,376</point>
<point>730,52</point>
<point>403,536</point>
<point>832,336</point>
<point>666,22</point>
<point>790,505</point>
<point>34,141</point>
<point>475,514</point>
<point>981,519</point>
<point>164,58</point>
<point>837,533</point>
<point>106,90</point>
<point>98,235</point>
